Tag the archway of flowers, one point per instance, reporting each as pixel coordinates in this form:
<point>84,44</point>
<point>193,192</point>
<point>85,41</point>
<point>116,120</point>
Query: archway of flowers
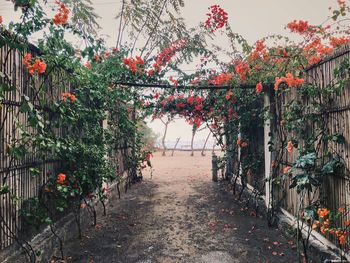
<point>114,87</point>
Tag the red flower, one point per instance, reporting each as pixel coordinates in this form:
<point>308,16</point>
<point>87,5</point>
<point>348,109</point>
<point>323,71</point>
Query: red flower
<point>174,81</point>
<point>242,70</point>
<point>167,53</point>
<point>61,17</point>
<point>88,65</point>
<point>221,79</point>
<point>96,57</point>
<point>180,105</point>
<point>61,178</point>
<point>336,42</point>
<point>259,87</point>
<point>217,18</point>
<point>290,147</point>
<point>229,94</point>
<point>134,64</point>
<point>190,100</point>
<point>1,20</point>
<point>300,26</point>
<point>156,96</point>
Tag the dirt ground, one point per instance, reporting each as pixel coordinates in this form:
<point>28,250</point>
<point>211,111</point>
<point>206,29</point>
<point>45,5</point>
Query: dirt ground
<point>180,215</point>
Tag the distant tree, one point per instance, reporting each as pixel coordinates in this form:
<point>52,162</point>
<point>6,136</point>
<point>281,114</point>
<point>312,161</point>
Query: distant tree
<point>195,129</point>
<point>149,137</point>
<point>166,124</point>
<point>205,143</point>
<point>177,142</point>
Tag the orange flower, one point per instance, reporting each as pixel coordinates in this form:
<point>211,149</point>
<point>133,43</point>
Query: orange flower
<point>342,239</point>
<point>239,142</point>
<point>289,80</point>
<point>68,95</point>
<point>220,79</point>
<point>242,69</point>
<point>286,169</point>
<point>341,209</point>
<point>312,60</point>
<point>38,65</point>
<point>61,178</point>
<point>259,87</point>
<point>324,230</point>
<point>61,17</point>
<point>323,212</point>
<point>290,147</point>
<point>336,42</point>
<point>229,95</point>
<point>347,223</point>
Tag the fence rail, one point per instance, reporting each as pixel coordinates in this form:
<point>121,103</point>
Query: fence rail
<point>335,189</point>
<point>14,173</point>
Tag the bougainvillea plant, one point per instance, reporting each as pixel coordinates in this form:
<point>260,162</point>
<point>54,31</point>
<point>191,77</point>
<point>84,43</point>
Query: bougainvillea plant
<point>230,105</point>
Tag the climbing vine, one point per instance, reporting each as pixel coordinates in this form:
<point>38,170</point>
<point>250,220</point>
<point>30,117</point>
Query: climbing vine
<point>104,101</point>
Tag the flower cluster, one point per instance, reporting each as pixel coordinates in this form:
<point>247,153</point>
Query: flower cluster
<point>242,69</point>
<point>134,64</point>
<point>326,226</point>
<point>38,65</point>
<point>300,26</point>
<point>61,17</point>
<point>173,81</point>
<point>338,41</point>
<point>221,79</point>
<point>259,87</point>
<point>69,96</point>
<point>259,51</point>
<point>314,50</point>
<point>167,53</point>
<point>61,178</point>
<point>217,18</point>
<point>289,80</point>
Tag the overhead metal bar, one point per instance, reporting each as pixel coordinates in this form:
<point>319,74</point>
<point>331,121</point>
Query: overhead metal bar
<point>188,87</point>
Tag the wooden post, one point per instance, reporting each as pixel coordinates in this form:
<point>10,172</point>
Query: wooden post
<point>214,163</point>
<point>267,153</point>
<point>229,154</point>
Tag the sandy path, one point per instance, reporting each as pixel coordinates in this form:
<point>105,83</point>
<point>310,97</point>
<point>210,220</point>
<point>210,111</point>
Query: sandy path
<point>180,216</point>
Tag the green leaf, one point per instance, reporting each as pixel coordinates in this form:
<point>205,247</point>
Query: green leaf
<point>26,106</point>
<point>4,189</point>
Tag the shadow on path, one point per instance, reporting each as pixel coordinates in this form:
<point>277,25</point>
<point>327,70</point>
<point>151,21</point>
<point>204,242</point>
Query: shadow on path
<point>180,216</point>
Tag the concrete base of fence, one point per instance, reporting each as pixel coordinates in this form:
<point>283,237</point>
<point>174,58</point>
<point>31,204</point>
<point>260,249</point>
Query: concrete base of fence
<point>46,243</point>
<point>321,249</point>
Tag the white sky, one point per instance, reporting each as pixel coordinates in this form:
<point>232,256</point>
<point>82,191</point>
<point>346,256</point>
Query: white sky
<point>253,19</point>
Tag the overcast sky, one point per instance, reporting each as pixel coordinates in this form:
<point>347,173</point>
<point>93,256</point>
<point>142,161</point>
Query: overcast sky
<point>253,19</point>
